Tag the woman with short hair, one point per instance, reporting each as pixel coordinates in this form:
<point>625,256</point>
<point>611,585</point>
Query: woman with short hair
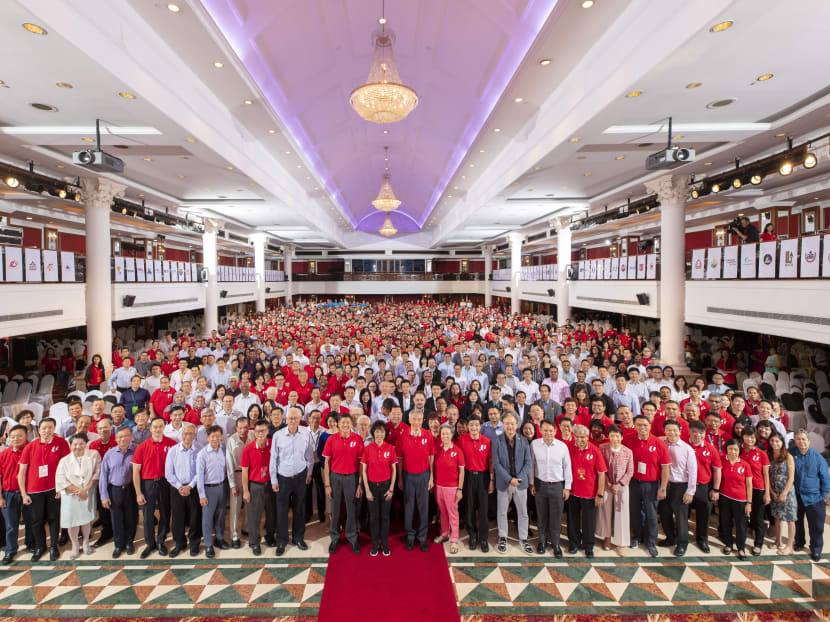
<point>76,482</point>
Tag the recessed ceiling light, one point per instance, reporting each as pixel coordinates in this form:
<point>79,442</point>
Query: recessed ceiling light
<point>272,131</point>
<point>721,103</point>
<point>694,85</point>
<point>299,166</point>
<point>537,168</point>
<point>1,83</point>
<point>148,159</point>
<point>764,78</point>
<point>126,95</point>
<point>620,158</point>
<point>218,64</point>
<point>28,217</point>
<point>472,165</point>
<point>780,134</point>
<point>633,94</point>
<point>180,176</point>
<point>173,8</point>
<point>720,27</point>
<point>481,150</point>
<point>287,153</point>
<point>247,102</point>
<point>35,29</point>
<point>44,107</point>
<point>382,21</point>
<point>190,140</point>
<point>61,166</point>
<point>87,139</point>
<point>497,130</point>
<point>463,177</point>
<point>575,139</point>
<point>519,100</point>
<point>63,85</point>
<point>587,4</point>
<point>545,62</point>
<point>587,174</point>
<point>707,164</point>
<point>677,137</point>
<point>230,168</point>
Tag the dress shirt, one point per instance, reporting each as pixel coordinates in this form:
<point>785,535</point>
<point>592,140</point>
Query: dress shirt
<point>683,469</point>
<point>233,453</point>
<point>174,433</point>
<point>291,454</point>
<point>120,378</point>
<point>484,381</point>
<point>139,436</point>
<point>116,469</point>
<point>180,466</point>
<point>377,403</point>
<point>321,406</point>
<point>220,377</point>
<point>626,398</point>
<point>551,463</point>
<point>639,390</point>
<point>243,402</point>
<point>207,394</point>
<point>779,427</point>
<point>151,383</point>
<point>492,431</point>
<point>559,390</point>
<point>469,374</point>
<point>177,378</point>
<point>210,468</point>
<point>531,391</point>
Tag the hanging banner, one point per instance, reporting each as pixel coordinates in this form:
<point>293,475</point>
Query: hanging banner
<point>148,269</point>
<point>810,256</point>
<point>14,264</point>
<point>615,268</point>
<point>825,270</point>
<point>180,268</point>
<point>651,266</point>
<point>67,267</point>
<point>601,270</point>
<point>581,270</point>
<point>730,262</point>
<point>129,269</point>
<point>632,267</point>
<point>698,264</point>
<point>51,268</point>
<point>788,260</point>
<point>158,276</point>
<point>32,263</point>
<point>140,270</point>
<point>607,269</point>
<point>165,271</point>
<point>713,258</point>
<point>749,261</point>
<point>194,275</point>
<point>594,270</point>
<point>623,273</point>
<point>118,262</point>
<point>641,266</point>
<point>174,272</point>
<point>766,260</point>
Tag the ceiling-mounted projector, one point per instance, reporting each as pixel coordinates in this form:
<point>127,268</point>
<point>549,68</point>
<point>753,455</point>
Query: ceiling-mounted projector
<point>98,160</point>
<point>669,158</point>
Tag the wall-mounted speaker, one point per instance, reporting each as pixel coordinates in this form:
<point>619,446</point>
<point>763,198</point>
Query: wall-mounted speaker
<point>128,301</point>
<point>223,293</point>
<point>507,289</point>
<point>643,299</point>
<point>267,290</point>
<point>551,293</point>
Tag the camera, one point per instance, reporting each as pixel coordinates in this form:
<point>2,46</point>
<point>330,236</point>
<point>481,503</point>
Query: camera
<point>734,225</point>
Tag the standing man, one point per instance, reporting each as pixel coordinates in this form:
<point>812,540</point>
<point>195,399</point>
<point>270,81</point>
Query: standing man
<point>115,487</point>
<point>674,509</point>
<point>180,473</point>
<point>512,463</point>
<point>36,479</point>
<point>10,499</point>
<point>233,454</point>
<point>256,489</point>
<point>479,481</point>
<point>151,487</point>
<point>812,487</point>
<point>210,480</point>
<point>552,479</point>
<point>708,481</point>
<point>589,469</point>
<point>292,460</point>
<point>416,454</point>
<point>341,476</point>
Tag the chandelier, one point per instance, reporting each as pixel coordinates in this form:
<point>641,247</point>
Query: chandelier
<point>388,229</point>
<point>386,201</point>
<point>384,98</point>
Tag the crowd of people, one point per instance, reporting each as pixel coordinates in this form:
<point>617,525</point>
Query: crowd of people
<point>445,414</point>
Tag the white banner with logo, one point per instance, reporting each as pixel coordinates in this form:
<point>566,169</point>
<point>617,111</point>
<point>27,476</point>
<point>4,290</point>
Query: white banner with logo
<point>651,266</point>
<point>158,277</point>
<point>825,270</point>
<point>129,269</point>
<point>607,269</point>
<point>593,276</point>
<point>581,270</point>
<point>165,271</point>
<point>766,260</point>
<point>788,264</point>
<point>67,267</point>
<point>119,269</point>
<point>698,264</point>
<point>14,264</point>
<point>623,269</point>
<point>615,268</point>
<point>32,256</point>
<point>810,256</point>
<point>730,262</point>
<point>632,267</point>
<point>51,269</point>
<point>140,270</point>
<point>641,266</point>
<point>601,269</point>
<point>713,257</point>
<point>749,261</point>
<point>194,272</point>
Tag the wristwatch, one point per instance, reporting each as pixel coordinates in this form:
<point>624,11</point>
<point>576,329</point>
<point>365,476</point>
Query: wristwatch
<point>717,490</point>
<point>600,496</point>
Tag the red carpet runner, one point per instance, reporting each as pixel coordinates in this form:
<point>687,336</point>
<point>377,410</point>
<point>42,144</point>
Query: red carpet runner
<point>407,586</point>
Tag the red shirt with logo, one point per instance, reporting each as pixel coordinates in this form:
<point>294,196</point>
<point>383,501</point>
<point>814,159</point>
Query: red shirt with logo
<point>649,456</point>
<point>414,451</point>
<point>151,455</point>
<point>379,461</point>
<point>101,447</point>
<point>257,460</point>
<point>477,453</point>
<point>344,453</point>
<point>161,400</point>
<point>9,459</point>
<point>42,460</point>
<point>757,460</point>
<point>733,480</point>
<point>708,458</point>
<point>447,462</point>
<point>586,464</point>
<point>395,433</point>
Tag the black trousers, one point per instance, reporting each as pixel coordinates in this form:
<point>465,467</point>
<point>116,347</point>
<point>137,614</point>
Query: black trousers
<point>642,500</point>
<point>156,493</point>
<point>582,522</point>
<point>756,518</point>
<point>703,510</point>
<point>316,482</point>
<point>186,511</point>
<point>476,484</point>
<point>674,514</point>
<point>264,499</point>
<point>732,514</point>
<point>549,505</point>
<point>45,509</point>
<point>291,494</point>
<point>416,496</point>
<point>124,514</point>
<point>379,509</point>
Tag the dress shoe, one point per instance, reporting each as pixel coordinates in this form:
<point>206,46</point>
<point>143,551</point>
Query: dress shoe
<point>31,548</point>
<point>798,548</point>
<point>301,545</point>
<point>100,542</point>
<point>175,551</point>
<point>130,548</point>
<point>815,557</point>
<point>473,543</point>
<point>236,544</point>
<point>209,552</point>
<point>410,544</point>
<point>270,541</point>
<point>221,544</point>
<point>526,547</point>
<point>652,550</point>
<point>146,552</point>
<point>589,554</point>
<point>54,554</point>
<point>8,559</point>
<point>680,550</point>
<point>37,554</point>
<point>64,537</point>
<point>280,550</point>
<point>256,550</point>
<point>501,547</point>
<point>741,555</point>
<point>116,553</point>
<point>541,547</point>
<point>635,543</point>
<point>665,542</point>
<point>162,550</point>
<point>425,546</point>
<point>356,548</point>
<point>573,549</point>
<point>194,549</point>
<point>557,551</point>
<point>703,546</point>
<point>333,547</point>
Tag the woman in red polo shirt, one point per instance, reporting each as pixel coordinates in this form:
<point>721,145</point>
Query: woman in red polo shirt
<point>378,465</point>
<point>734,504</point>
<point>449,480</point>
<point>758,461</point>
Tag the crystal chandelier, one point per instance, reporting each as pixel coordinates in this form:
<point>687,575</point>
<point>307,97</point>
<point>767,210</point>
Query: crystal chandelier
<point>386,201</point>
<point>388,229</point>
<point>384,98</point>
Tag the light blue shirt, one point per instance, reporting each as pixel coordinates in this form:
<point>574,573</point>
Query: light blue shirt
<point>291,454</point>
<point>483,381</point>
<point>180,466</point>
<point>210,468</point>
<point>121,377</point>
<point>626,398</point>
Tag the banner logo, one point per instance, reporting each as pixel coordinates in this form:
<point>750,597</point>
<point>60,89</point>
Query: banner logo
<point>767,259</point>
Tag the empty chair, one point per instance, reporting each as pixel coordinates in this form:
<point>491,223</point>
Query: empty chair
<point>824,405</point>
<point>782,387</point>
<point>739,378</point>
<point>769,378</point>
<point>79,394</point>
<point>782,375</point>
<point>37,410</point>
<point>59,412</point>
<point>821,379</point>
<point>749,382</point>
<point>44,392</point>
<point>10,392</point>
<point>817,442</point>
<point>18,378</point>
<point>111,398</point>
<point>34,380</point>
<point>13,406</point>
<point>755,375</point>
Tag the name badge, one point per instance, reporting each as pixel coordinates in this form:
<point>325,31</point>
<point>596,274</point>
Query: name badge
<point>43,470</point>
<point>641,468</point>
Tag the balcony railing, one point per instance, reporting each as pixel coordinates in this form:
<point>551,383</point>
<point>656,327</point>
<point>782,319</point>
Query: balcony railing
<point>33,265</point>
<point>391,276</point>
<point>805,257</point>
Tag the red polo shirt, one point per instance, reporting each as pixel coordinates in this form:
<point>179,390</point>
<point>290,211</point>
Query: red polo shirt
<point>757,460</point>
<point>702,405</point>
<point>586,421</point>
<point>42,460</point>
<point>733,481</point>
<point>708,458</point>
<point>586,464</point>
<point>395,433</point>
<point>477,453</point>
<point>379,461</point>
<point>102,448</point>
<point>649,456</point>
<point>344,453</point>
<point>303,392</point>
<point>447,462</point>
<point>660,419</point>
<point>718,441</point>
<point>151,456</point>
<point>414,451</point>
<point>9,459</point>
<point>161,400</point>
<point>257,461</point>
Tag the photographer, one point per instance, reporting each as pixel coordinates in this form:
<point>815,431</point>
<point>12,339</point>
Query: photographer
<point>744,229</point>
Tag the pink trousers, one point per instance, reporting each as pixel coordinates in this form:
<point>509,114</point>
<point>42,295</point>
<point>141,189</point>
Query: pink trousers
<point>448,507</point>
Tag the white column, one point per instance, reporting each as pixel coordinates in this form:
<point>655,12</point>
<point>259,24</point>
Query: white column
<point>288,252</point>
<point>515,239</point>
<point>259,268</point>
<point>488,272</point>
<point>98,195</point>
<point>672,192</point>
<point>563,259</point>
<point>209,260</point>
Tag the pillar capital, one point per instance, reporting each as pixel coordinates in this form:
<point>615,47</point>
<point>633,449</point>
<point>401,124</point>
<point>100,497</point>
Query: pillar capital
<point>515,238</point>
<point>258,237</point>
<point>288,249</point>
<point>99,191</point>
<point>212,225</point>
<point>561,222</point>
<point>670,189</point>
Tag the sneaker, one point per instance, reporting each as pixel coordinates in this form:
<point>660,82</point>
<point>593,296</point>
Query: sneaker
<point>374,551</point>
<point>386,551</point>
<point>502,546</point>
<point>526,547</point>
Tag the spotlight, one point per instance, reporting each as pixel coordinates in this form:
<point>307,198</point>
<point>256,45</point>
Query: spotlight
<point>786,168</point>
<point>124,211</point>
<point>77,197</point>
<point>810,160</point>
<point>736,183</point>
<point>695,193</point>
<point>12,181</point>
<point>62,193</point>
<point>756,179</point>
<point>715,188</point>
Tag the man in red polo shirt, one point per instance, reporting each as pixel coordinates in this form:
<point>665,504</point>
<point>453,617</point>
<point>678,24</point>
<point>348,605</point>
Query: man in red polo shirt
<point>708,482</point>
<point>256,484</point>
<point>597,413</point>
<point>36,479</point>
<point>341,476</point>
<point>416,452</point>
<point>10,500</point>
<point>588,468</point>
<point>649,484</point>
<point>671,412</point>
<point>396,426</point>
<point>151,487</point>
<point>694,398</point>
<point>161,398</point>
<point>479,481</point>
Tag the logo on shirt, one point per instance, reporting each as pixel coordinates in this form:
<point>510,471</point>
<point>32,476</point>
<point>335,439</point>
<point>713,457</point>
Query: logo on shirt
<point>385,454</point>
<point>652,448</point>
<point>589,456</point>
<point>452,454</point>
<point>352,444</point>
<point>756,458</point>
<point>740,470</point>
<point>482,448</point>
<point>706,452</point>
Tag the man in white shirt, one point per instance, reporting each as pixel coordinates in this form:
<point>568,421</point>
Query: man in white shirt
<point>245,399</point>
<point>530,388</point>
<point>674,508</point>
<point>315,403</point>
<point>559,389</point>
<point>551,479</point>
<point>181,375</point>
<point>636,387</point>
<point>202,390</point>
<point>153,381</point>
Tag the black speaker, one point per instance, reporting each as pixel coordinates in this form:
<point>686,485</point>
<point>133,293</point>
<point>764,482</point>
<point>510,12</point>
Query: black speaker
<point>551,293</point>
<point>223,293</point>
<point>267,290</point>
<point>128,301</point>
<point>643,299</point>
<point>507,289</point>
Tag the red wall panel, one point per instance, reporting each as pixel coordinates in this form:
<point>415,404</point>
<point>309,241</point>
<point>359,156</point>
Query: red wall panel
<point>176,254</point>
<point>32,237</point>
<point>72,243</point>
<point>446,265</point>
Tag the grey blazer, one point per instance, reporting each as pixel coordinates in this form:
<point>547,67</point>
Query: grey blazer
<point>501,462</point>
